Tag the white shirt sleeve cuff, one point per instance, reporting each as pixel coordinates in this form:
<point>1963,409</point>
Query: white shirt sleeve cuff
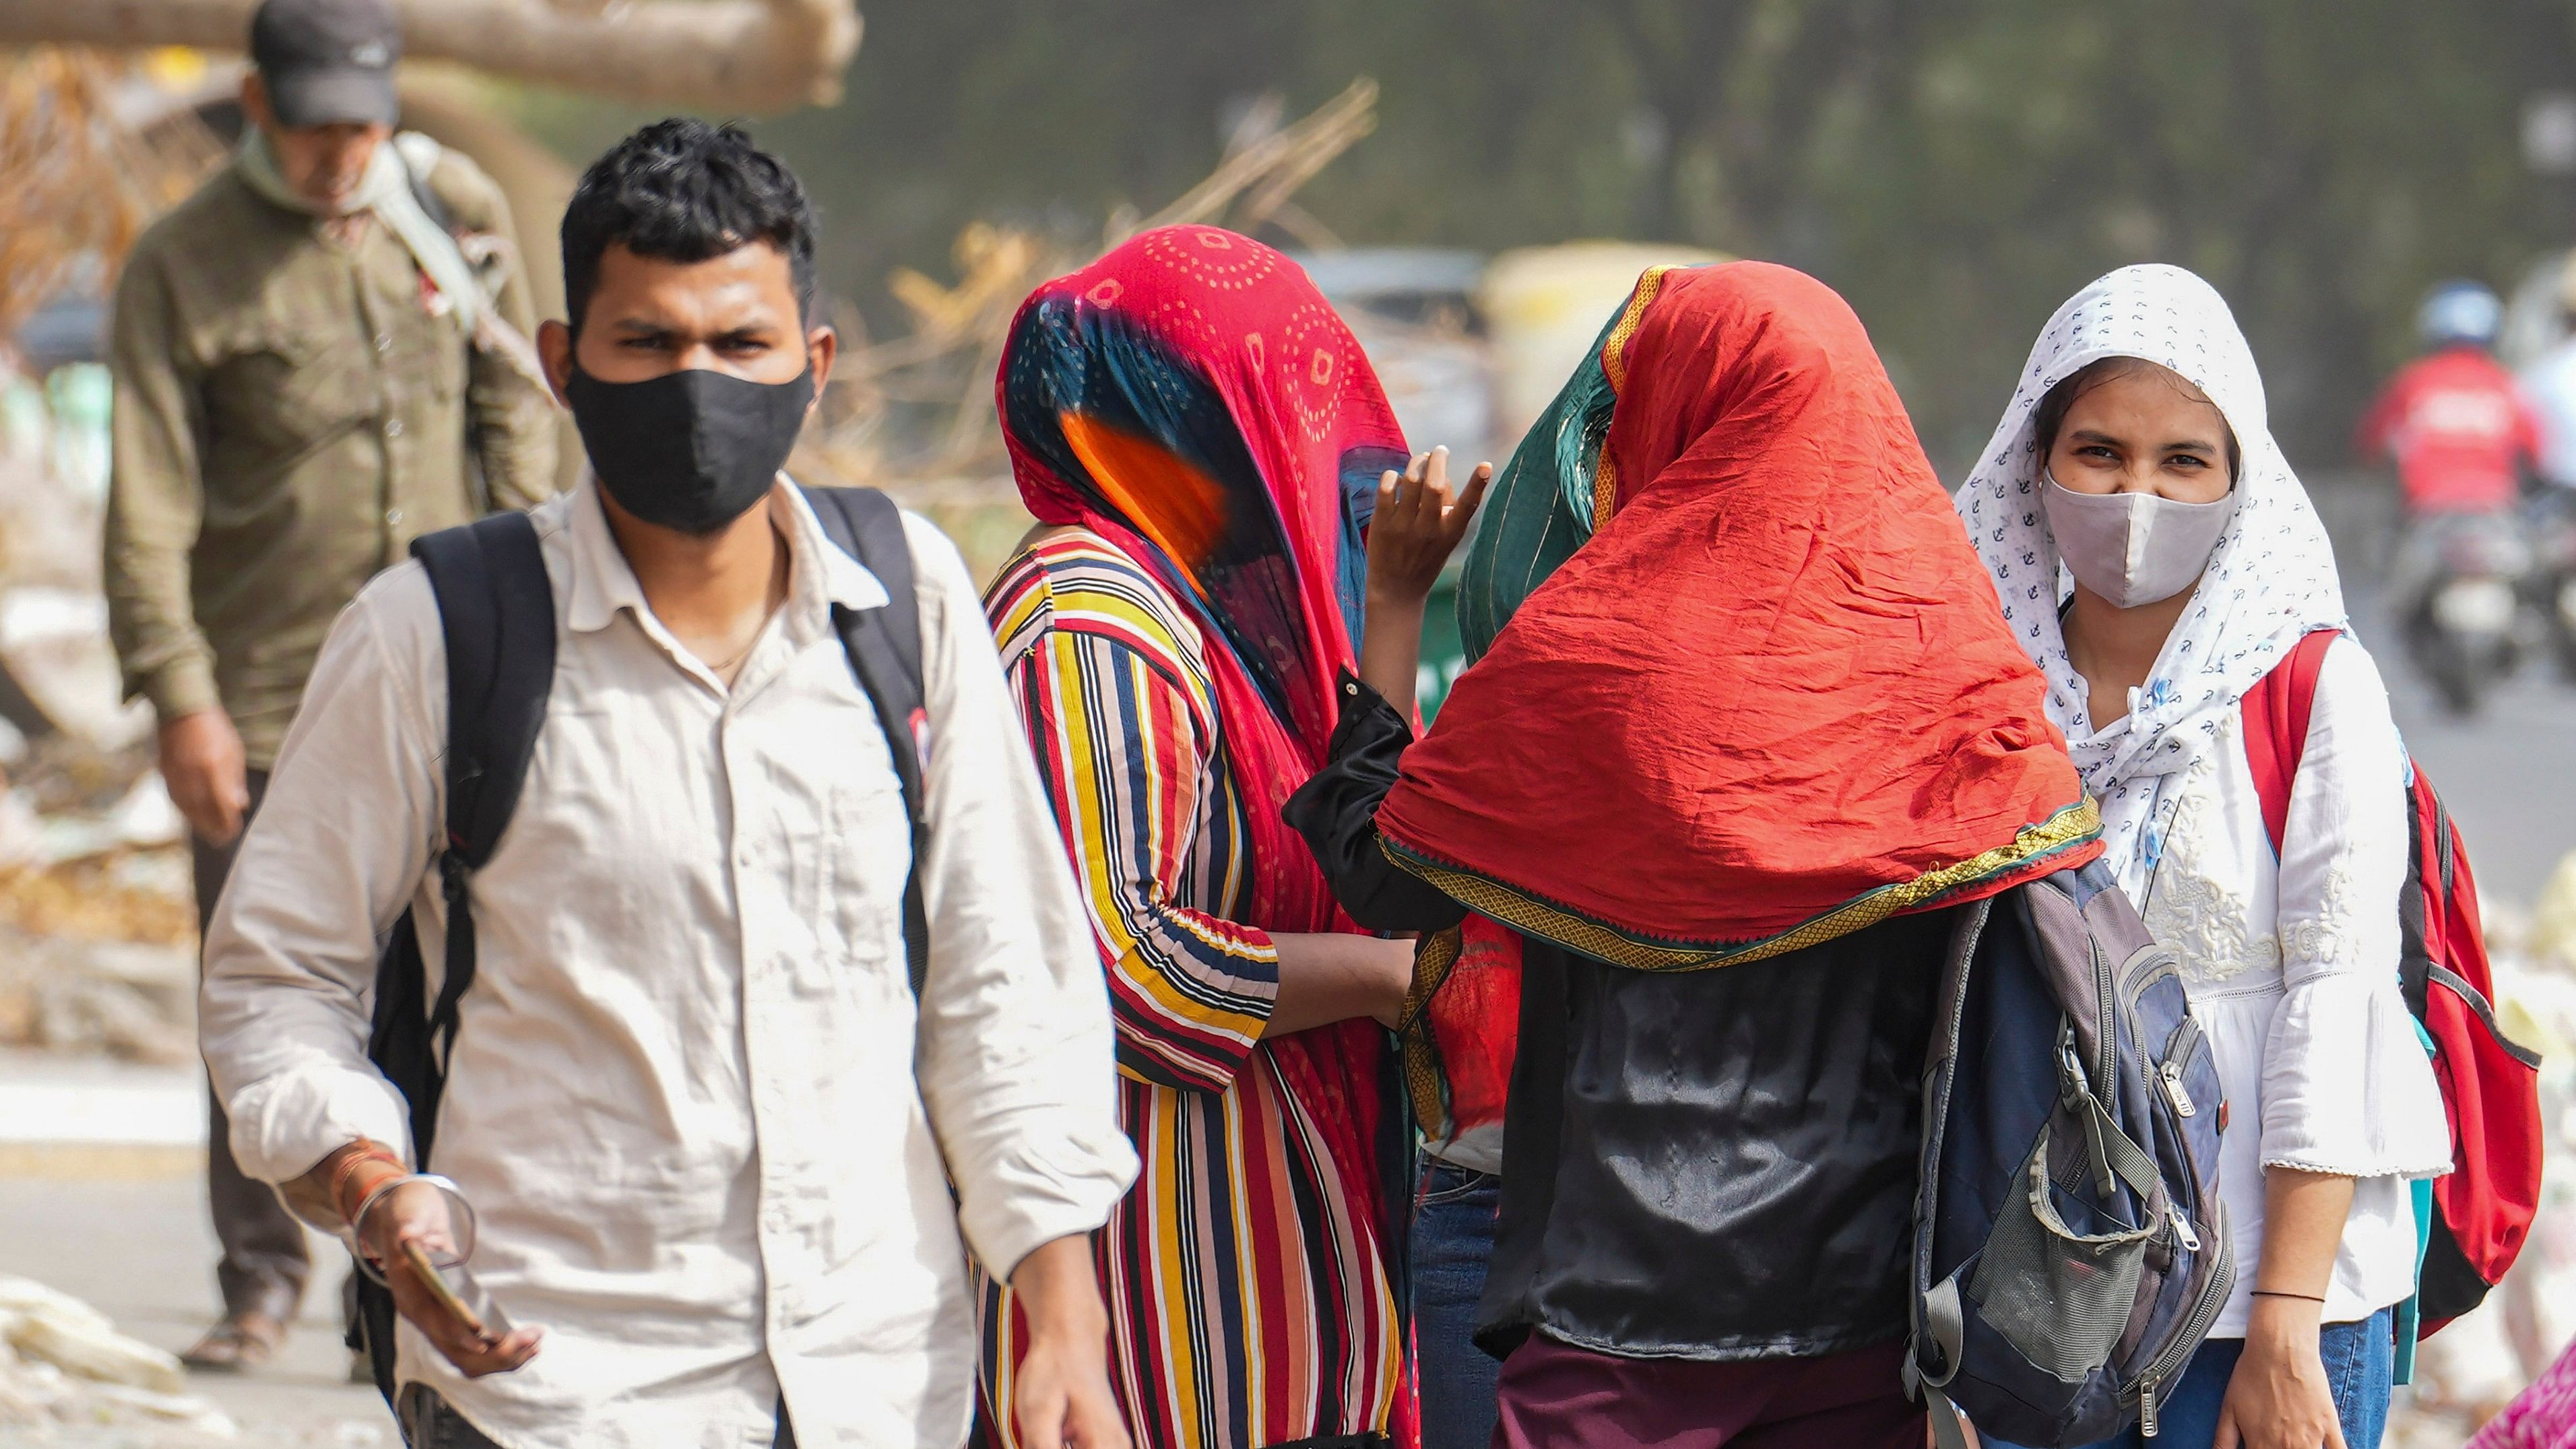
<point>2347,1086</point>
<point>285,1125</point>
<point>1025,1197</point>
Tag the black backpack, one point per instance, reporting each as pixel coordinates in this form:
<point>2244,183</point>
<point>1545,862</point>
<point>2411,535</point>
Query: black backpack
<point>496,608</point>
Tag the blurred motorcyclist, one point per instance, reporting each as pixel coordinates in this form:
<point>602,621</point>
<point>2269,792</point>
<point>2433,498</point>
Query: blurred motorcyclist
<point>2454,421</point>
<point>2463,438</point>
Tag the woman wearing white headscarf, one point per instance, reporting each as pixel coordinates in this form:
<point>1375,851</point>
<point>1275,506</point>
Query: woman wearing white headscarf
<point>2156,557</point>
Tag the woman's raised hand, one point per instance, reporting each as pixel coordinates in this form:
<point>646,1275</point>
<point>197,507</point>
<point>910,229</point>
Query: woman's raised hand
<point>1420,521</point>
<point>1418,524</point>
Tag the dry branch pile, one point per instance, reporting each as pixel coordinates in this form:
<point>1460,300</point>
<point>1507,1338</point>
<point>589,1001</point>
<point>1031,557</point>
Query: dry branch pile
<point>77,180</point>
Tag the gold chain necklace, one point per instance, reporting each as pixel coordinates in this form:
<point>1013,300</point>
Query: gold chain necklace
<point>727,667</point>
<point>784,561</point>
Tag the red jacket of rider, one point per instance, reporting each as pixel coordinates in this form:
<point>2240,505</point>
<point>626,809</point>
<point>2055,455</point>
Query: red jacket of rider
<point>2459,429</point>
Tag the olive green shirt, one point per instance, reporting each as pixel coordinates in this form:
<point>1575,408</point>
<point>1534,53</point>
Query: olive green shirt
<point>291,412</point>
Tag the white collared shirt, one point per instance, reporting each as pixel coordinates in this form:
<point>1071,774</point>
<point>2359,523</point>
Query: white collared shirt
<point>690,1099</point>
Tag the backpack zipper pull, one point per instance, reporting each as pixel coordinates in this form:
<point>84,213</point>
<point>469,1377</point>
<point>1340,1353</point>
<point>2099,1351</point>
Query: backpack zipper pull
<point>2147,1409</point>
<point>2183,1231</point>
<point>2171,1076</point>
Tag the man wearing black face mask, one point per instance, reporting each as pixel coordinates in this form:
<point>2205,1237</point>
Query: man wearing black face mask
<point>698,1111</point>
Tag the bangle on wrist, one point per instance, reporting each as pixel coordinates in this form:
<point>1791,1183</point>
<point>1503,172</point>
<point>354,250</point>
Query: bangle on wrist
<point>2277,1293</point>
<point>365,1186</point>
<point>344,1177</point>
<point>358,1152</point>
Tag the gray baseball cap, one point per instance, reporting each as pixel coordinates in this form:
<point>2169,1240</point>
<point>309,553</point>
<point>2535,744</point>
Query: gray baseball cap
<point>328,61</point>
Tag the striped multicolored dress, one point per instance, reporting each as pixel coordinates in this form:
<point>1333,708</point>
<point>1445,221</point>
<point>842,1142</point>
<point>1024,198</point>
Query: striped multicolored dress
<point>1247,1304</point>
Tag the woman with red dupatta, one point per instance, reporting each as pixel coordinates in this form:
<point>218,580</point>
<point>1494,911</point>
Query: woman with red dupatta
<point>1200,438</point>
<point>1745,724</point>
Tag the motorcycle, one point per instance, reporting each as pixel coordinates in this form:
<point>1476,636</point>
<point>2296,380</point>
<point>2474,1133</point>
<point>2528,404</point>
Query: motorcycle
<point>2462,629</point>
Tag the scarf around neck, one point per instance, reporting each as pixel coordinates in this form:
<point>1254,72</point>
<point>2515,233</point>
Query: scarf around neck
<point>2271,579</point>
<point>386,192</point>
<point>1745,690</point>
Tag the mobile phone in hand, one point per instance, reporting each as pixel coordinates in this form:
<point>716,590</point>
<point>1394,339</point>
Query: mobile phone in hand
<point>457,1290</point>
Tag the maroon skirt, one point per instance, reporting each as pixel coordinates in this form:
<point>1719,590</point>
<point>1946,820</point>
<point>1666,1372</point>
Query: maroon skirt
<point>1555,1396</point>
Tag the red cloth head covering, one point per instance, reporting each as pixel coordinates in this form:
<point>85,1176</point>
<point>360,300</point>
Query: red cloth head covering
<point>1771,701</point>
<point>1191,398</point>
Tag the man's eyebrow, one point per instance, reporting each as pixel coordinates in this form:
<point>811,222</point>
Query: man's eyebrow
<point>642,327</point>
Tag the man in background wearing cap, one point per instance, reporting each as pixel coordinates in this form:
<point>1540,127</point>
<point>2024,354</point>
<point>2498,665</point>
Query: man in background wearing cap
<point>319,356</point>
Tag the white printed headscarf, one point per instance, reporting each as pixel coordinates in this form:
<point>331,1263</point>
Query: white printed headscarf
<point>2271,579</point>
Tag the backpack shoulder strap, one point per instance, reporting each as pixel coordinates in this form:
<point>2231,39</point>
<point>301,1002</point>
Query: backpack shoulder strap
<point>2277,710</point>
<point>867,526</point>
<point>884,646</point>
<point>496,609</point>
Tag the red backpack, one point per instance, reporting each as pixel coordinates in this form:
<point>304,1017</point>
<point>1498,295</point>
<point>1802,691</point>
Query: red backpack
<point>2490,1086</point>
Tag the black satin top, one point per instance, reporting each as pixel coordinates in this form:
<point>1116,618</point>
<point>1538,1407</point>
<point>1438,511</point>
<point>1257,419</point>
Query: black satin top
<point>1710,1165</point>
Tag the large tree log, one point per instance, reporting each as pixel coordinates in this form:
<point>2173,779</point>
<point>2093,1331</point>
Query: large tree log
<point>754,56</point>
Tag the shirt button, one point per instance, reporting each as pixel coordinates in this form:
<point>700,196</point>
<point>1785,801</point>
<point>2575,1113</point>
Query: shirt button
<point>393,427</point>
<point>384,342</point>
<point>393,516</point>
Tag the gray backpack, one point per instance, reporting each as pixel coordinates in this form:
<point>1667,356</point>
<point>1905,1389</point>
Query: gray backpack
<point>2070,1248</point>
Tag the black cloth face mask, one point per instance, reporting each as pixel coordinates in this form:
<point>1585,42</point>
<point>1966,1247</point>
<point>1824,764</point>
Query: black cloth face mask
<point>689,451</point>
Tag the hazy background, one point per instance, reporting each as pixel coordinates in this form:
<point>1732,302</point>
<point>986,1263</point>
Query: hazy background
<point>1955,167</point>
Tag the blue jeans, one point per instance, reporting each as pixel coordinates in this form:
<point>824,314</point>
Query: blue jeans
<point>2358,1358</point>
<point>1453,1236</point>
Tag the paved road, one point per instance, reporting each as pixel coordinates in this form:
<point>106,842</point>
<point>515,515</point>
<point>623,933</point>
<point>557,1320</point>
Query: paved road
<point>2510,773</point>
<point>138,1249</point>
<point>102,1196</point>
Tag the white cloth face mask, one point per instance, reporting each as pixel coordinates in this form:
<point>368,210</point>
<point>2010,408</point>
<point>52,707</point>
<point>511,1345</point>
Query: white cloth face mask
<point>2133,548</point>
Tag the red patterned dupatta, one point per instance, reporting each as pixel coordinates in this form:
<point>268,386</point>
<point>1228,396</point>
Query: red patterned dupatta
<point>1191,398</point>
<point>1771,700</point>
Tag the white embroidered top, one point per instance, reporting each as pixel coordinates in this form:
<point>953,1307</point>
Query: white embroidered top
<point>2292,970</point>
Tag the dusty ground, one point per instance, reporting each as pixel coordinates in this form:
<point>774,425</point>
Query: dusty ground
<point>128,1233</point>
